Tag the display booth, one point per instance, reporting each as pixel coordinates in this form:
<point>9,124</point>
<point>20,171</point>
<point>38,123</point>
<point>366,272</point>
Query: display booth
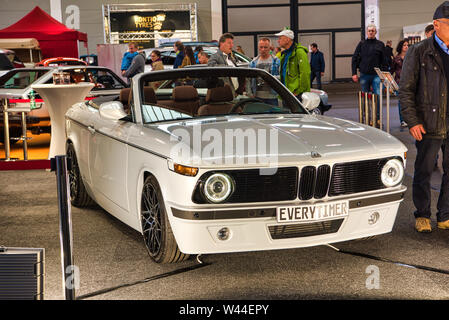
<point>55,39</point>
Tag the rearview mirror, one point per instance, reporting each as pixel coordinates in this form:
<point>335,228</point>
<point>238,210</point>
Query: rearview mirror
<point>310,100</point>
<point>112,110</point>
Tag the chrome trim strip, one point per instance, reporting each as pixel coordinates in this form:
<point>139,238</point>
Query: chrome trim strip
<point>271,212</point>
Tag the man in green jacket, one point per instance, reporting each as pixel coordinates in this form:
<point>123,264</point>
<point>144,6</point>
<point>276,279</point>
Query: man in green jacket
<point>295,67</point>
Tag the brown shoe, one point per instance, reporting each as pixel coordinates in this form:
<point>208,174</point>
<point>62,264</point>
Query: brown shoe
<point>443,224</point>
<point>423,225</point>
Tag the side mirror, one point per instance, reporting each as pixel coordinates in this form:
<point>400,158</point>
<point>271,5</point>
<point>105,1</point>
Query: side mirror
<point>112,110</point>
<point>310,100</point>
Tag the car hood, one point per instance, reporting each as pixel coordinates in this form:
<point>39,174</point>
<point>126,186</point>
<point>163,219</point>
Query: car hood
<point>280,140</point>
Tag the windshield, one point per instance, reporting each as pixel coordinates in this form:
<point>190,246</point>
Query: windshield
<point>104,79</point>
<point>20,79</point>
<point>200,92</point>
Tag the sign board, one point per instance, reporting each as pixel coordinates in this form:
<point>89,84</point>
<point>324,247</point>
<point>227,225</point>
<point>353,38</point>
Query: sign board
<point>388,80</point>
<point>150,24</point>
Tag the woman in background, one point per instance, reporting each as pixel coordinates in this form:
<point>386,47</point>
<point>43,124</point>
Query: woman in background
<point>189,57</point>
<point>156,61</point>
<point>156,64</point>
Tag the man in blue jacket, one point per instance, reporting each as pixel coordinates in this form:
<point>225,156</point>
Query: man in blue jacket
<point>316,65</point>
<point>128,57</point>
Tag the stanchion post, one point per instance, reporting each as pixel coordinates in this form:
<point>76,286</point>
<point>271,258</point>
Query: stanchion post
<point>59,164</point>
<point>24,136</point>
<point>373,111</point>
<point>360,107</point>
<point>6,130</point>
<point>366,109</point>
<point>380,104</point>
<point>388,107</point>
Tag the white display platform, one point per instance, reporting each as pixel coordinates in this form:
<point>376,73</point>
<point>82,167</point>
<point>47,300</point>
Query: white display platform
<point>58,99</point>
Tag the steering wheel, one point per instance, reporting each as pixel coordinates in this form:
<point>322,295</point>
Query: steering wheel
<point>243,102</point>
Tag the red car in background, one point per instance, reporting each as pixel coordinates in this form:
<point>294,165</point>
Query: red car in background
<point>61,61</point>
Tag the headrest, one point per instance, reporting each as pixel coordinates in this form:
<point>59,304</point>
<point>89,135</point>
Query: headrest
<point>219,94</point>
<point>149,95</point>
<point>185,93</point>
<point>124,95</point>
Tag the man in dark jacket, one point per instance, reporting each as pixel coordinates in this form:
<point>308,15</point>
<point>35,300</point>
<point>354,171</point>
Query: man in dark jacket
<point>369,54</point>
<point>137,66</point>
<point>316,65</point>
<point>424,105</point>
<point>389,54</point>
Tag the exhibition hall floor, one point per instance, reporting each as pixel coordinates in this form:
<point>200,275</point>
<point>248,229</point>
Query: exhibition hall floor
<point>110,254</point>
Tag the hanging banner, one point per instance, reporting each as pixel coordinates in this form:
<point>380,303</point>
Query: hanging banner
<point>135,21</point>
<point>372,14</point>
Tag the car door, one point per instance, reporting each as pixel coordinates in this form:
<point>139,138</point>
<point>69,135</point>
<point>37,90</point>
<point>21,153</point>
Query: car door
<point>108,152</point>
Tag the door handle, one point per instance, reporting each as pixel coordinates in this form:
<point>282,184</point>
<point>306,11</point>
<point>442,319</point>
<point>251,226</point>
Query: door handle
<point>91,129</point>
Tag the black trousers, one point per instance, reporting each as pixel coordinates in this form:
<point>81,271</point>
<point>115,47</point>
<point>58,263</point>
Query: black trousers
<point>427,150</point>
<point>317,75</point>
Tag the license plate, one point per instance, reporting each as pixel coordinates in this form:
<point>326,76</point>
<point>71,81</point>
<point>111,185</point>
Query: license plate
<point>313,212</point>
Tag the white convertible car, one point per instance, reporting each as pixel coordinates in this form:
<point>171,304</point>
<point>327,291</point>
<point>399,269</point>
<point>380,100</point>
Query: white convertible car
<point>214,160</point>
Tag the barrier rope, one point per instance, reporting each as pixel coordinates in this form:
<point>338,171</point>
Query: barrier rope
<point>402,264</point>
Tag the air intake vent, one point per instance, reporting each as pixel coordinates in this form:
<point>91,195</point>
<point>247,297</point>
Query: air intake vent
<point>322,181</point>
<point>307,183</point>
<point>354,177</point>
<point>304,229</point>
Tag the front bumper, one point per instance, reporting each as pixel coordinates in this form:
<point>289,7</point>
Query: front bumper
<point>256,228</point>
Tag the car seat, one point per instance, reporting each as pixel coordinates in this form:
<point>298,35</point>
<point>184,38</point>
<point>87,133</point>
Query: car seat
<point>218,101</point>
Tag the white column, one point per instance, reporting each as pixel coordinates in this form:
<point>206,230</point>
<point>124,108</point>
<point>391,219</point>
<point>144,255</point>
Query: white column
<point>217,19</point>
<point>372,14</point>
<point>55,9</point>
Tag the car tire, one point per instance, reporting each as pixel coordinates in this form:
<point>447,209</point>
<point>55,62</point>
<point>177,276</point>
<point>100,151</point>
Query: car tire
<point>157,233</point>
<point>78,194</point>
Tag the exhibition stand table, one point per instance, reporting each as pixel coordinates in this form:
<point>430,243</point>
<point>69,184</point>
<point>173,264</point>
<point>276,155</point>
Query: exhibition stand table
<point>58,99</point>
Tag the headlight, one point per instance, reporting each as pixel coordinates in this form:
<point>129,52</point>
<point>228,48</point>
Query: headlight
<point>392,173</point>
<point>218,187</point>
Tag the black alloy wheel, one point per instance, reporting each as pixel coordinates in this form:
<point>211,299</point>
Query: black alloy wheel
<point>158,236</point>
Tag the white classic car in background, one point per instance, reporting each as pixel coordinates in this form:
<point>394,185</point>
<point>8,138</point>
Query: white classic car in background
<point>205,165</point>
<point>16,85</point>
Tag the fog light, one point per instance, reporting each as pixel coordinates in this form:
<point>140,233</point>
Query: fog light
<point>223,234</point>
<point>373,218</point>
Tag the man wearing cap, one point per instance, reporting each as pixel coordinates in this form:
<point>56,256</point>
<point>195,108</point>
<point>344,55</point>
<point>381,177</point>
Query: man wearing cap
<point>424,102</point>
<point>294,67</point>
